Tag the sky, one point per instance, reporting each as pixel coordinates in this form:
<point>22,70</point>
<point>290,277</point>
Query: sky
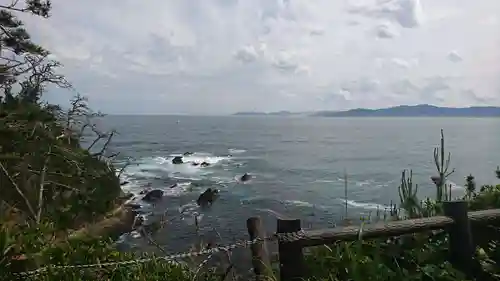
<point>223,56</point>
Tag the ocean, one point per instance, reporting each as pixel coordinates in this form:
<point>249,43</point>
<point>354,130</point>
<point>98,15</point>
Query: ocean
<point>298,165</point>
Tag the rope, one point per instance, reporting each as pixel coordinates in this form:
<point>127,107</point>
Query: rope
<point>280,237</point>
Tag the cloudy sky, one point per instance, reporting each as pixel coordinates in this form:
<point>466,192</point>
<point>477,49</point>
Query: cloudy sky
<point>222,56</point>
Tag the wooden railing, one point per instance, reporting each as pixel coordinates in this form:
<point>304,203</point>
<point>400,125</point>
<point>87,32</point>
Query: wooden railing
<point>457,222</point>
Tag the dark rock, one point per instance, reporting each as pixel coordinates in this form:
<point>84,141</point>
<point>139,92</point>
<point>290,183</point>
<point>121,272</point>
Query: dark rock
<point>188,153</point>
<point>177,160</point>
<point>195,163</point>
<point>173,185</point>
<point>245,177</point>
<point>204,164</point>
<point>124,183</point>
<point>144,191</point>
<point>207,197</point>
<point>153,195</point>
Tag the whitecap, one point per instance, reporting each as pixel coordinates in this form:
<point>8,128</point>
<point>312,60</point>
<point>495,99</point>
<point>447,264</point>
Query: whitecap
<point>236,151</point>
<point>364,183</point>
<point>190,213</point>
<point>324,181</point>
<point>250,200</point>
<point>273,212</point>
<point>298,203</point>
<point>366,205</point>
<point>454,185</point>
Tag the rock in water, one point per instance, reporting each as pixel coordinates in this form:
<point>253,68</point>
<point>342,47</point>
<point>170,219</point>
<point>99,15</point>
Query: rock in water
<point>207,197</point>
<point>177,160</point>
<point>188,153</point>
<point>204,164</point>
<point>245,177</point>
<point>153,195</point>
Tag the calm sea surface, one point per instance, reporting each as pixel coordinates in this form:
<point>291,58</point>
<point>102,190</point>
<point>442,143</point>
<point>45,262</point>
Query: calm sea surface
<point>298,164</point>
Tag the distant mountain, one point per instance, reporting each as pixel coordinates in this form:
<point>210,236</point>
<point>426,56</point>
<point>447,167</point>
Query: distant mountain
<point>249,113</point>
<point>422,110</point>
<point>256,113</point>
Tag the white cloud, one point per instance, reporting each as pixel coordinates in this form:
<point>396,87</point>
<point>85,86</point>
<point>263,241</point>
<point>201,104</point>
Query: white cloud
<point>220,56</point>
<point>386,31</point>
<point>405,63</point>
<point>246,54</point>
<point>453,56</point>
<point>407,13</point>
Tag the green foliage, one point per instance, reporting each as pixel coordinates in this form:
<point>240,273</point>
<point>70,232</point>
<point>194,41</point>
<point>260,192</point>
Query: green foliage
<point>96,251</point>
<point>75,184</point>
<point>487,198</point>
<point>416,257</point>
<point>408,195</point>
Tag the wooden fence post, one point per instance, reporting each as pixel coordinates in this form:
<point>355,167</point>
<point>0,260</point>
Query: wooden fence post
<point>260,257</point>
<point>292,264</point>
<point>461,245</point>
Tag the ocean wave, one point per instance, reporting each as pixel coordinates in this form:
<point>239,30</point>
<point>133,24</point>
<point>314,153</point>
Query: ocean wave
<point>190,213</point>
<point>359,183</point>
<point>273,212</point>
<point>161,167</point>
<point>236,151</point>
<point>365,205</point>
<point>364,183</point>
<point>298,203</point>
<point>454,185</point>
<point>250,200</point>
<point>324,181</point>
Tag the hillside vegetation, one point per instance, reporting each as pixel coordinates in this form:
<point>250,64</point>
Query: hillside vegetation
<point>52,186</point>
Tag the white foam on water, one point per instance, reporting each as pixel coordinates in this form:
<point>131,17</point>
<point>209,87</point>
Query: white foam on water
<point>189,212</point>
<point>364,183</point>
<point>200,157</point>
<point>298,203</point>
<point>222,180</point>
<point>454,185</point>
<point>250,200</point>
<point>325,181</point>
<point>236,151</point>
<point>162,167</point>
<point>365,205</point>
<point>179,190</point>
<point>239,181</point>
<point>273,212</point>
<point>135,234</point>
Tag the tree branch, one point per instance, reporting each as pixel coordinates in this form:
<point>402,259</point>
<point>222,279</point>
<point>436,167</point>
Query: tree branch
<point>105,146</point>
<point>19,191</point>
<point>42,188</point>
